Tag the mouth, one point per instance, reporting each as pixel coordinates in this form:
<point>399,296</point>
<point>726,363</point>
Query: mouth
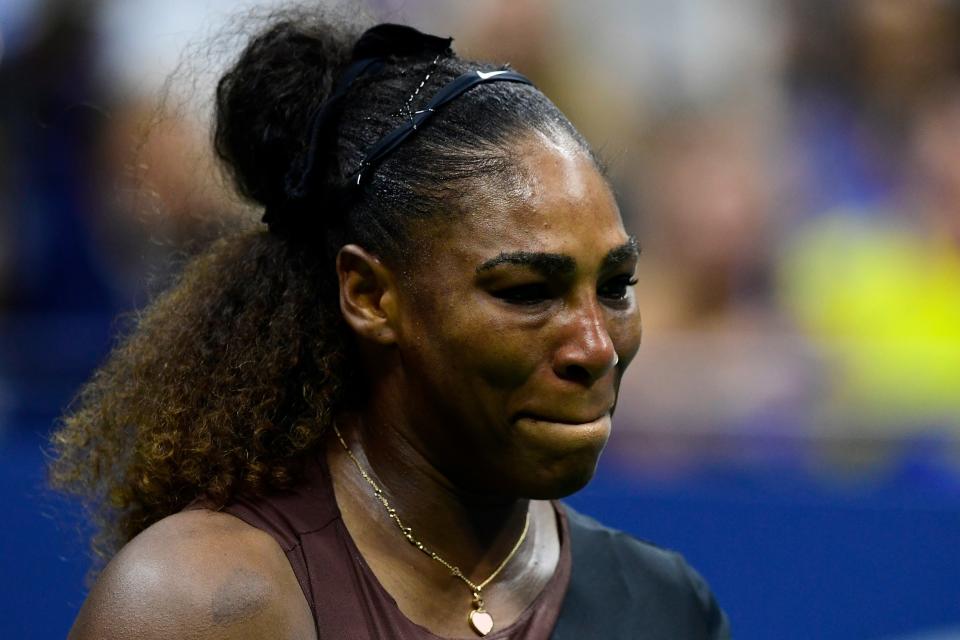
<point>557,435</point>
<point>570,420</point>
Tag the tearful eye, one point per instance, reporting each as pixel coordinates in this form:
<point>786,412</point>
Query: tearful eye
<point>526,294</point>
<point>617,288</point>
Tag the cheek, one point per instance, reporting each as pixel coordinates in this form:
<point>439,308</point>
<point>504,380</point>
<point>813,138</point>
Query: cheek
<point>495,353</point>
<point>626,332</point>
<point>466,339</point>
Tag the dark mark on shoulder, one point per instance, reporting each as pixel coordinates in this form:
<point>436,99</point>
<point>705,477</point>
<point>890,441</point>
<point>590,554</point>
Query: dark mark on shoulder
<point>243,594</point>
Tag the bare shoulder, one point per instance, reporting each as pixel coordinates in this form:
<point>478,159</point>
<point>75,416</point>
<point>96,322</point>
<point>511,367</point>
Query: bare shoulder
<point>197,574</point>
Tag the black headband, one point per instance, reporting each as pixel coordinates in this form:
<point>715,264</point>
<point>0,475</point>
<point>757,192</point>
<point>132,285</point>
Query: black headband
<point>368,57</point>
<point>450,92</point>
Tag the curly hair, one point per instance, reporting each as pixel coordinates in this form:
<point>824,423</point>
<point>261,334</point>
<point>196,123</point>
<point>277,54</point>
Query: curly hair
<point>230,378</point>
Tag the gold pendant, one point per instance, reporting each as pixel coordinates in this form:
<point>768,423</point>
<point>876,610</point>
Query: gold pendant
<point>481,621</point>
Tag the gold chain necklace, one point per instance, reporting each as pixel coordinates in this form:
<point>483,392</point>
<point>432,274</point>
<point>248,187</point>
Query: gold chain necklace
<point>480,619</point>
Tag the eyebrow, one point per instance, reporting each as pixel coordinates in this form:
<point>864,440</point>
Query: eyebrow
<point>552,264</point>
<point>625,252</point>
<point>546,264</point>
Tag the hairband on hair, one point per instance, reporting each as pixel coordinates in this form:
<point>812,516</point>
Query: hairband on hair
<point>368,57</point>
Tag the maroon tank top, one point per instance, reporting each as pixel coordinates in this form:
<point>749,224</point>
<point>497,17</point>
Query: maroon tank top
<point>347,600</point>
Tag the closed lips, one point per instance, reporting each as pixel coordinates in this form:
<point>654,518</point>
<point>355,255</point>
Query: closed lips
<point>561,420</point>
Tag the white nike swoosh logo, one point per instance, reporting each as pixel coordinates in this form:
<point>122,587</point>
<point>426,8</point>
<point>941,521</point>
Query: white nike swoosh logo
<point>489,74</point>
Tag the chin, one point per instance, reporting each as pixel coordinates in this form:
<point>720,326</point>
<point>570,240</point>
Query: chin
<point>567,456</point>
<point>571,475</point>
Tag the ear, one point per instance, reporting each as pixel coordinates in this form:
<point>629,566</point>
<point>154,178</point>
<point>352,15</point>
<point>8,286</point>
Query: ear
<point>368,294</point>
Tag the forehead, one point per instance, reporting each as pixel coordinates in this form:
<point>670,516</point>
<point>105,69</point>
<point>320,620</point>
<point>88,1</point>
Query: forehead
<point>560,203</point>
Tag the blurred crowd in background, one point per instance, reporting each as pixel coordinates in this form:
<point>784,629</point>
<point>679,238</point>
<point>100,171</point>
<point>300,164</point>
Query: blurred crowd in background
<point>791,167</point>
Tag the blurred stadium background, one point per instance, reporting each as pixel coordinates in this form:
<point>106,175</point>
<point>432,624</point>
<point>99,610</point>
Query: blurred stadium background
<point>792,422</point>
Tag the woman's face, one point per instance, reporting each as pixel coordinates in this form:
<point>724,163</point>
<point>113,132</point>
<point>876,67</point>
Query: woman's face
<point>515,328</point>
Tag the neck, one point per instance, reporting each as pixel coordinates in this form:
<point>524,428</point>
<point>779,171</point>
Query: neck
<point>470,531</point>
<point>473,532</point>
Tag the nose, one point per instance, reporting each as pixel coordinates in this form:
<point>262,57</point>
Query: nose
<point>587,352</point>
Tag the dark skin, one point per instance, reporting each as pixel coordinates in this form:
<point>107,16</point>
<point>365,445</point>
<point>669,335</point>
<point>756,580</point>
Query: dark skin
<point>493,361</point>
